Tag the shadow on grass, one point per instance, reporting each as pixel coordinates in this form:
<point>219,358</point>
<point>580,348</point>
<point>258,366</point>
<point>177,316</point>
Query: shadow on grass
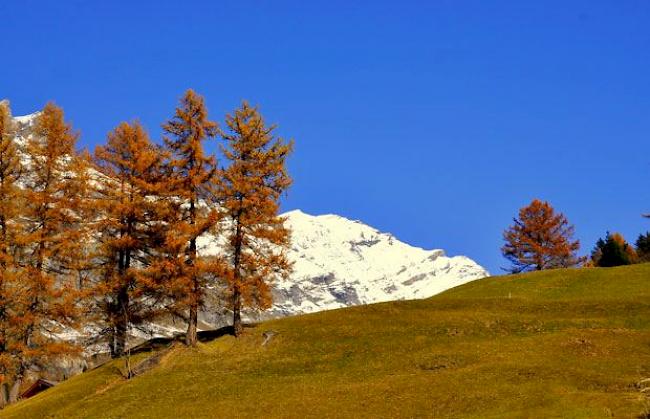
<point>203,336</point>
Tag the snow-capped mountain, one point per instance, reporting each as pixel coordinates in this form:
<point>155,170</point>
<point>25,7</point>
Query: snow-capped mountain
<point>339,262</point>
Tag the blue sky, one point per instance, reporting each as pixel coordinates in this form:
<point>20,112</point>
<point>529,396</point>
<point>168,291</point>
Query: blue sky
<point>433,120</point>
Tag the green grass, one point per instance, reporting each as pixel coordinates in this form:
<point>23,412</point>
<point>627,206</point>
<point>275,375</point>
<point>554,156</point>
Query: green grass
<point>565,343</point>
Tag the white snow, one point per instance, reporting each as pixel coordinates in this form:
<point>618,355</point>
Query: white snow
<point>339,262</point>
<point>26,119</point>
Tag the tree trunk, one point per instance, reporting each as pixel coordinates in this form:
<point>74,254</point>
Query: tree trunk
<point>191,335</point>
<point>4,395</point>
<point>119,340</point>
<point>15,389</point>
<point>236,313</point>
<point>111,342</point>
<point>192,326</point>
<point>236,296</point>
<point>121,324</point>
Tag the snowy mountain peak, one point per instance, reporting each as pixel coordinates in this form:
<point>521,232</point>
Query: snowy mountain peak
<point>339,262</point>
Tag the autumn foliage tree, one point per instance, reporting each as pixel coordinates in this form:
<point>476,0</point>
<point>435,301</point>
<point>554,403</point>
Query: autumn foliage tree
<point>250,189</point>
<point>45,296</point>
<point>540,239</point>
<point>127,228</point>
<point>191,177</point>
<point>10,200</point>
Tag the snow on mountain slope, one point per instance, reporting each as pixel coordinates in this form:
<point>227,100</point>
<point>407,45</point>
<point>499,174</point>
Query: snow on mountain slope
<point>339,263</point>
<point>24,127</point>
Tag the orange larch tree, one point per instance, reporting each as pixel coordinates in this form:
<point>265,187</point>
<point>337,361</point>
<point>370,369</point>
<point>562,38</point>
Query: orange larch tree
<point>46,298</point>
<point>250,190</point>
<point>191,178</point>
<point>127,228</point>
<point>10,202</point>
<point>540,239</point>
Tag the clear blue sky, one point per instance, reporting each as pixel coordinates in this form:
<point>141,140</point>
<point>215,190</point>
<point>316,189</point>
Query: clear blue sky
<point>433,120</point>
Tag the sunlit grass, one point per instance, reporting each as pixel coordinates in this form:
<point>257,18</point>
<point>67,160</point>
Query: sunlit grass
<point>565,343</point>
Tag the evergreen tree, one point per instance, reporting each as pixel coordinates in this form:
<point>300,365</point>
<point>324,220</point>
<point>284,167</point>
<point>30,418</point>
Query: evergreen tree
<point>643,247</point>
<point>613,251</point>
<point>540,239</point>
<point>250,190</point>
<point>127,228</point>
<point>191,177</point>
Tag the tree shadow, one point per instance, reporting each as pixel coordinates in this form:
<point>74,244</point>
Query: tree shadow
<point>203,336</point>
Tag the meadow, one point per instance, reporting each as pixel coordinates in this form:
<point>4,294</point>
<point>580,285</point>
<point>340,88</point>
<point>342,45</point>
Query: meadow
<point>560,343</point>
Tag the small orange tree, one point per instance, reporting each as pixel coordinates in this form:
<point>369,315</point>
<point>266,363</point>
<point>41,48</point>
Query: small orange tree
<point>249,194</point>
<point>540,239</point>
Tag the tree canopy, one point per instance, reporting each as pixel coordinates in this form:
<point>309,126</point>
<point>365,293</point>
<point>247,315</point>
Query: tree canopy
<point>540,238</point>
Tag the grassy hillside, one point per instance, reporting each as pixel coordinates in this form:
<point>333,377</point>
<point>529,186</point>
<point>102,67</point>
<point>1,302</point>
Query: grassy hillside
<point>566,343</point>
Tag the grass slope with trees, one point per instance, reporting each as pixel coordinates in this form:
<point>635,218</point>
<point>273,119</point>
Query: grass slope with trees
<point>92,246</point>
<point>565,342</point>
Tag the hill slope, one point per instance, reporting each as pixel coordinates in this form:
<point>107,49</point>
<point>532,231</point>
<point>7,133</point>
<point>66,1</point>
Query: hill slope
<point>568,343</point>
